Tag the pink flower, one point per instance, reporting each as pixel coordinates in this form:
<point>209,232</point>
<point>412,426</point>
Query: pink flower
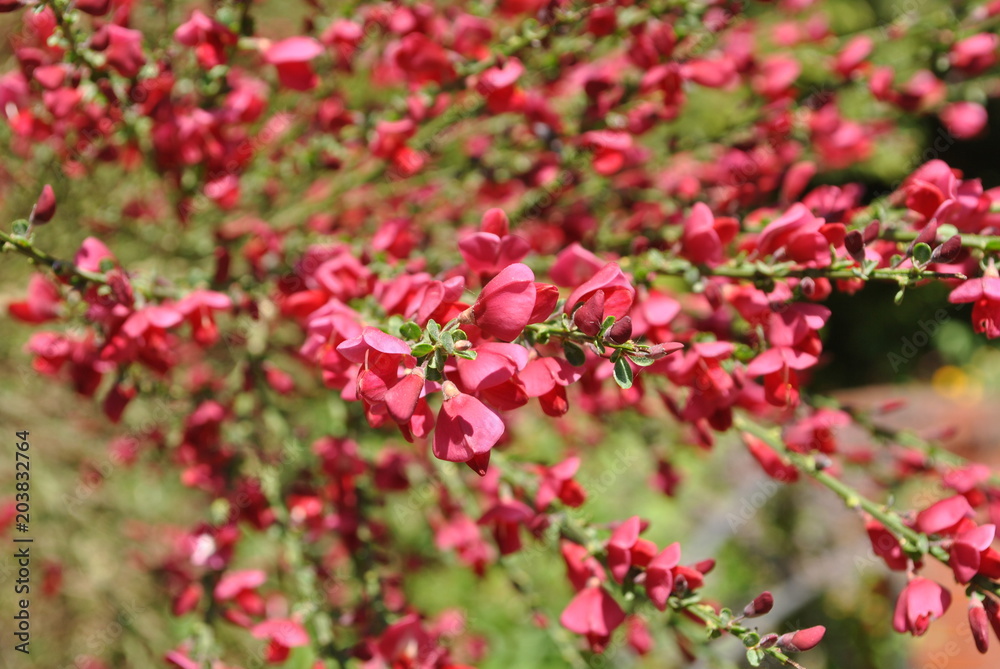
<point>921,601</point>
<point>283,635</point>
<point>465,427</point>
<point>612,282</point>
<point>593,613</point>
<point>506,303</point>
<point>557,482</point>
<point>125,50</point>
<point>966,551</point>
<point>942,516</point>
<point>801,640</point>
<point>660,575</point>
<point>292,56</point>
<point>626,549</point>
<point>209,38</point>
<point>42,303</point>
<point>705,236</point>
<point>979,624</point>
<point>975,54</point>
<point>493,248</point>
<point>964,120</point>
<point>801,237</point>
<point>984,292</point>
<point>769,460</point>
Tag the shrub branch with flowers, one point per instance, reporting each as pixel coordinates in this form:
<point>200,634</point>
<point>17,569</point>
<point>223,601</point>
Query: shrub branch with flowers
<point>453,219</point>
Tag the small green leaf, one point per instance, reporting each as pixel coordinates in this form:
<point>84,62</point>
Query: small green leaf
<point>20,227</point>
<point>106,265</point>
<point>623,373</point>
<point>755,656</point>
<point>459,335</point>
<point>898,299</point>
<point>574,354</point>
<point>468,355</point>
<point>605,326</point>
<point>422,349</point>
<point>410,330</point>
<point>640,360</point>
<point>448,343</point>
<point>922,253</point>
<point>751,639</point>
<point>433,329</point>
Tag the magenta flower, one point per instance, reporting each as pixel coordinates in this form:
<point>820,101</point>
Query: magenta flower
<point>465,426</point>
<point>506,303</point>
<point>921,601</point>
<point>45,207</point>
<point>942,516</point>
<point>801,640</point>
<point>593,613</point>
<point>292,57</point>
<point>984,293</point>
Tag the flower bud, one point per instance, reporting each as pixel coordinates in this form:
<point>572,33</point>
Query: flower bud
<point>761,604</point>
<point>621,331</point>
<point>872,232</point>
<point>855,245</point>
<point>45,208</point>
<point>979,624</point>
<point>768,640</point>
<point>949,250</point>
<point>801,640</point>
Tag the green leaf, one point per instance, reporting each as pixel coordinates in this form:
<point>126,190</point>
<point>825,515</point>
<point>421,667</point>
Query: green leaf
<point>459,335</point>
<point>20,227</point>
<point>755,656</point>
<point>623,373</point>
<point>468,355</point>
<point>605,326</point>
<point>640,360</point>
<point>433,329</point>
<point>898,299</point>
<point>751,639</point>
<point>448,343</point>
<point>922,253</point>
<point>422,349</point>
<point>410,330</point>
<point>574,354</point>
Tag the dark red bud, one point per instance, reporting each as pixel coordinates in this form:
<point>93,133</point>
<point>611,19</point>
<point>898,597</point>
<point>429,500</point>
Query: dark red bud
<point>590,316</point>
<point>759,606</point>
<point>621,331</point>
<point>872,232</point>
<point>802,640</point>
<point>948,251</point>
<point>45,208</point>
<point>979,624</point>
<point>855,244</point>
<point>768,640</point>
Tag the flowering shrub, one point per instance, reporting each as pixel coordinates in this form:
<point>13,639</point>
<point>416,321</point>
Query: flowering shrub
<point>452,225</point>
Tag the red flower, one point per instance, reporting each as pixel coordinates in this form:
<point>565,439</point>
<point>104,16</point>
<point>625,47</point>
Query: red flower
<point>557,482</point>
<point>124,50</point>
<point>615,286</point>
<point>921,601</point>
<point>625,548</point>
<point>506,304</point>
<point>984,292</point>
<point>209,37</point>
<point>292,56</point>
<point>283,634</point>
<point>704,235</point>
<point>769,460</point>
<point>660,575</point>
<point>42,303</point>
<point>966,551</point>
<point>493,248</point>
<point>465,427</point>
<point>593,613</point>
<point>942,516</point>
<point>964,120</point>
